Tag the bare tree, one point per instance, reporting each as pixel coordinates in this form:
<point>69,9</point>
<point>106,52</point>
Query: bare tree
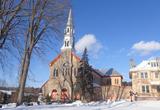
<point>10,20</point>
<point>45,19</point>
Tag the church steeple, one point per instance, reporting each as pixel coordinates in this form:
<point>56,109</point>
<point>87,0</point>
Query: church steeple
<point>69,34</point>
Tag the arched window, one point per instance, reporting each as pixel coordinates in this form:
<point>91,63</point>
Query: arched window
<point>67,29</point>
<point>63,71</point>
<point>55,73</point>
<point>67,43</point>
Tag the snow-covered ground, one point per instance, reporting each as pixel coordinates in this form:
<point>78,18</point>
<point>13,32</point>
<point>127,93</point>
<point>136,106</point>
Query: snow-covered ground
<point>119,105</point>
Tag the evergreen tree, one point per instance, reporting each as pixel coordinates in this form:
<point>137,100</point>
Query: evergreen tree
<point>85,78</point>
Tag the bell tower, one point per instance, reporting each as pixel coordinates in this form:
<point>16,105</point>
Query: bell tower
<point>68,43</point>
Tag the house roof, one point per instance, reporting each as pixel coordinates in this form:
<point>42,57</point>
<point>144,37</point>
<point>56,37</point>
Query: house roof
<point>108,72</point>
<point>112,72</point>
<point>96,71</point>
<point>150,64</point>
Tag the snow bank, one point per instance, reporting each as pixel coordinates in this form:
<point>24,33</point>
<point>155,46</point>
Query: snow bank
<point>103,105</point>
<point>10,105</point>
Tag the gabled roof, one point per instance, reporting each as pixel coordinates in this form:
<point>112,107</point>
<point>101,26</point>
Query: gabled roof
<point>108,72</point>
<point>59,56</point>
<point>112,72</point>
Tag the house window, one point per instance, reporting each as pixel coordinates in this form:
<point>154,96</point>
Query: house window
<point>116,81</point>
<point>156,75</point>
<point>145,89</point>
<point>144,75</point>
<point>158,88</point>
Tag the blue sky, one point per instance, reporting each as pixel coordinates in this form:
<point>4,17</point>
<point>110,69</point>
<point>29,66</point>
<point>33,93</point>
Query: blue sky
<point>119,29</point>
<point>117,26</point>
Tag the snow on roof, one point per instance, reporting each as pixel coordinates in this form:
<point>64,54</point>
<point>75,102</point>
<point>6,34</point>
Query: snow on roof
<point>150,64</point>
<point>7,92</point>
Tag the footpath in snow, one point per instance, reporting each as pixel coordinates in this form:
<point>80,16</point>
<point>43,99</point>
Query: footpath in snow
<point>78,105</point>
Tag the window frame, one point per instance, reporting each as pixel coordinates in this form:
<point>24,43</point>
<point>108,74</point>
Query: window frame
<point>156,75</point>
<point>145,89</point>
<point>144,75</point>
<point>55,73</point>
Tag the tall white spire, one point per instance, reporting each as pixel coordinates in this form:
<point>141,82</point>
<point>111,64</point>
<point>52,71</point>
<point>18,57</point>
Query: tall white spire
<point>69,22</point>
<point>69,34</point>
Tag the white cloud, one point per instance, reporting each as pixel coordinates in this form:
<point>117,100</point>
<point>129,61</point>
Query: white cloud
<point>90,42</point>
<point>145,48</point>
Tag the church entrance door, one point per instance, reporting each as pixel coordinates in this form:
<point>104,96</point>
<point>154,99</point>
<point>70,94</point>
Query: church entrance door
<point>54,95</point>
<point>64,95</point>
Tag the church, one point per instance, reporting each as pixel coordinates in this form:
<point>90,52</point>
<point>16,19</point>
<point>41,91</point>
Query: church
<point>64,68</point>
